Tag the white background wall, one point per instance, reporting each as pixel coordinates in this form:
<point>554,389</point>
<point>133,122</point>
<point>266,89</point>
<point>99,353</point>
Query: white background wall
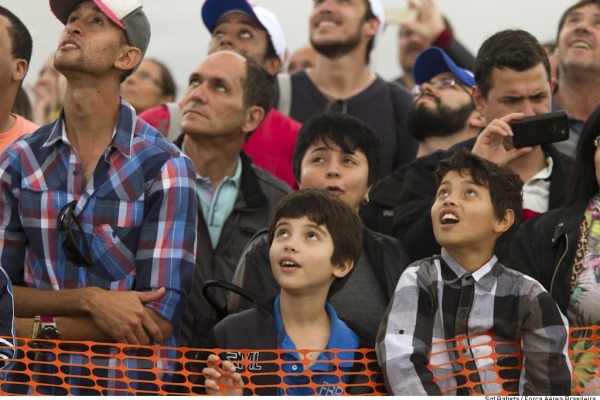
<point>180,39</point>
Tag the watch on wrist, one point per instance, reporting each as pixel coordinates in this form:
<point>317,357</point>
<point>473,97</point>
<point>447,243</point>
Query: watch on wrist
<point>48,329</point>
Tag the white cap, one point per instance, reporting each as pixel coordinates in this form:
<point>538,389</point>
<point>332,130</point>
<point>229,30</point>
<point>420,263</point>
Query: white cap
<point>214,10</point>
<point>377,8</point>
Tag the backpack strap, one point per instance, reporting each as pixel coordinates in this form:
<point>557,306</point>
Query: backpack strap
<point>284,82</point>
<point>174,120</point>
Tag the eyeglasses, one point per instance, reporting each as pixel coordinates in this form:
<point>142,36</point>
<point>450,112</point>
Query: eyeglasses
<point>439,85</point>
<point>66,219</point>
<point>144,75</point>
<point>597,141</point>
<point>337,107</point>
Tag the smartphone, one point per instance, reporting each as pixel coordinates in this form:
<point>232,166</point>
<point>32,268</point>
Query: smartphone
<point>400,16</point>
<point>539,129</point>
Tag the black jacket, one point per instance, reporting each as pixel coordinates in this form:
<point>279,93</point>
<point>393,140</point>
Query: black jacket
<point>253,273</point>
<point>378,214</point>
<point>254,329</point>
<point>412,217</point>
<point>258,195</point>
<point>544,248</point>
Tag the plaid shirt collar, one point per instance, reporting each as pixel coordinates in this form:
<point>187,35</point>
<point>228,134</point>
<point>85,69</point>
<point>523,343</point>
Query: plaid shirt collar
<point>485,276</point>
<point>122,136</point>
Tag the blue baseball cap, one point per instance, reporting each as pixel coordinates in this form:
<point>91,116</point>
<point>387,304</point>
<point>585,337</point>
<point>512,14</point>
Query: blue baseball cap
<point>433,61</point>
<point>214,10</point>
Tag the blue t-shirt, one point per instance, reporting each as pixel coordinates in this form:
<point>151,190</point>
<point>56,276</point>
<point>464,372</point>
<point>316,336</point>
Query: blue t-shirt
<point>319,373</point>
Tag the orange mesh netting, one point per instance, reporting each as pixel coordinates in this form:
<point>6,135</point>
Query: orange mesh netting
<point>477,363</point>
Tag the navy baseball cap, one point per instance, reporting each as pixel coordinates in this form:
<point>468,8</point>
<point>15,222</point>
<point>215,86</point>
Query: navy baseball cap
<point>214,10</point>
<point>433,61</point>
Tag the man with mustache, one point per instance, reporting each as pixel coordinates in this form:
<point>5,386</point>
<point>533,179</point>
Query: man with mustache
<point>442,114</point>
<point>512,81</point>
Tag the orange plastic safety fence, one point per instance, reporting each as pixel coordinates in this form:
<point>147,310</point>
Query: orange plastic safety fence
<point>44,367</point>
<point>477,364</point>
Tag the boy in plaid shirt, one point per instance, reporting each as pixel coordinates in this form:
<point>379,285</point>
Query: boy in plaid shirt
<point>465,291</point>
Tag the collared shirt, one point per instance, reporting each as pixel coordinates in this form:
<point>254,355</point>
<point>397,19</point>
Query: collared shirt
<point>569,146</point>
<point>341,337</point>
<point>218,204</point>
<point>536,192</point>
<point>138,214</point>
<point>438,300</point>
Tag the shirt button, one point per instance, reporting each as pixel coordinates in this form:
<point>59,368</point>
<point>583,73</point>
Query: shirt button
<point>462,314</point>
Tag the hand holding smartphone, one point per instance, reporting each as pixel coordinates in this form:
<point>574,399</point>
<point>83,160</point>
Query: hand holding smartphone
<point>539,129</point>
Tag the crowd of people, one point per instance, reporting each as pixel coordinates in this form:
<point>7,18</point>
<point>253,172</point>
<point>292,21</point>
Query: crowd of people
<point>351,212</point>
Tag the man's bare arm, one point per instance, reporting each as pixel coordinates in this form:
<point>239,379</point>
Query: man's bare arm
<point>94,314</point>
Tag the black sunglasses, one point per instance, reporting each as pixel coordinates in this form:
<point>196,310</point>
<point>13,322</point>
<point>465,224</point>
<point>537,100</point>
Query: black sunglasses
<point>65,221</point>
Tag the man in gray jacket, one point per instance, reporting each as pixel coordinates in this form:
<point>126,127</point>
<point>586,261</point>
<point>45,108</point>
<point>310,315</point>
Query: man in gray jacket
<point>227,98</point>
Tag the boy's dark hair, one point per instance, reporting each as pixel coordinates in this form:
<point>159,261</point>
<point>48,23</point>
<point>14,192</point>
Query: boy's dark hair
<point>20,38</point>
<point>569,10</point>
<point>583,184</point>
<point>513,48</point>
<point>343,224</point>
<point>505,186</point>
<point>346,131</point>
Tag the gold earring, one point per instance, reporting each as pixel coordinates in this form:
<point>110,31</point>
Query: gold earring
<point>366,200</point>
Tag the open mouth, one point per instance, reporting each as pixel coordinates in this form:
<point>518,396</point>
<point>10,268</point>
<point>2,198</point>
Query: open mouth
<point>289,264</point>
<point>580,44</point>
<point>449,219</point>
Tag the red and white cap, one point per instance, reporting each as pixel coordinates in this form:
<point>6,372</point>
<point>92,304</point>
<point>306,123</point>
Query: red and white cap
<point>126,14</point>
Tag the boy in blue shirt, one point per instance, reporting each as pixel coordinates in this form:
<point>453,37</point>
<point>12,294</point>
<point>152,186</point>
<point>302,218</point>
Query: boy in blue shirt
<point>315,241</point>
<point>460,296</point>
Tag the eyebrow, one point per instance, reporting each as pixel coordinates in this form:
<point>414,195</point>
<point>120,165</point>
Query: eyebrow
<point>310,225</point>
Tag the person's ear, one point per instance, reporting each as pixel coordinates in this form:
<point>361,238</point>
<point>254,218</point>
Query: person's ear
<point>254,115</point>
<point>552,85</point>
<point>129,58</point>
<point>371,26</point>
<point>476,120</point>
<point>503,224</point>
<point>343,269</point>
<point>478,99</point>
<point>272,65</point>
<point>20,69</point>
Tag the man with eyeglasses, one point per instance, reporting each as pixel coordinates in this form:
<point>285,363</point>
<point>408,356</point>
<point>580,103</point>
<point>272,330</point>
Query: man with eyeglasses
<point>442,114</point>
<point>98,209</point>
<point>512,80</point>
